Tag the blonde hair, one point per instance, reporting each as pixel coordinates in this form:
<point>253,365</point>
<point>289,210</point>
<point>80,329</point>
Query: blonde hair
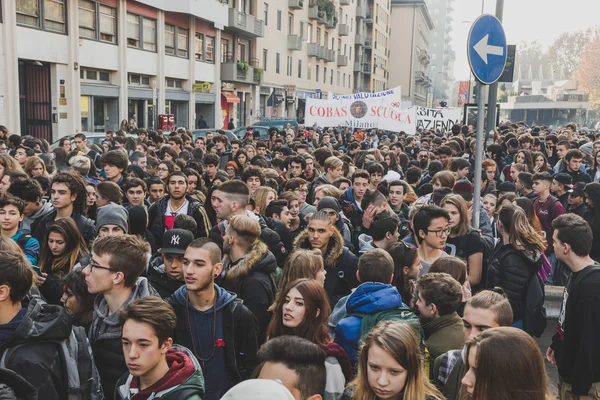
<point>301,264</point>
<point>260,198</point>
<point>329,190</point>
<point>32,162</point>
<point>398,339</point>
<point>445,178</point>
<point>464,226</point>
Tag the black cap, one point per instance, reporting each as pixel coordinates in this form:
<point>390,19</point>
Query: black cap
<point>506,187</point>
<point>175,241</point>
<point>329,202</point>
<point>577,190</point>
<point>563,178</point>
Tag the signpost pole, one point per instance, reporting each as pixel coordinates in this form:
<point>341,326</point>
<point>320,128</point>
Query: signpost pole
<point>493,92</point>
<point>478,155</point>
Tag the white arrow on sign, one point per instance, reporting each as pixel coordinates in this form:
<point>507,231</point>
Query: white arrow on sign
<point>483,49</point>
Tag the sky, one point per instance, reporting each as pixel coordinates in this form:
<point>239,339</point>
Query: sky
<point>524,20</point>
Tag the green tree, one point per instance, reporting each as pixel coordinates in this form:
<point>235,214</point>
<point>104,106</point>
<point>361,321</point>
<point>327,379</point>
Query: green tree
<point>565,52</point>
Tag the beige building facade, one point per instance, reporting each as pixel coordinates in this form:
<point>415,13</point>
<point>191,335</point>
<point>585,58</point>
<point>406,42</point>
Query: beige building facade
<point>409,59</point>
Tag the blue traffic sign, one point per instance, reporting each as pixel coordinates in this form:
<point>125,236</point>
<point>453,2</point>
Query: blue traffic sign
<point>486,49</point>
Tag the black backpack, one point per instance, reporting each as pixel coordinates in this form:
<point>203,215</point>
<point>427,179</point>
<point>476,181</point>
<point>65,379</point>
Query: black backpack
<point>534,321</point>
<point>22,240</point>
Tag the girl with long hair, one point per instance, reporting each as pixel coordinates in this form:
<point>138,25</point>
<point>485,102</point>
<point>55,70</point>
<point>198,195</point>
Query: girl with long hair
<point>524,156</point>
<point>464,242</point>
<point>108,192</point>
<point>76,299</point>
<point>298,223</point>
<point>527,206</point>
<point>303,264</point>
<point>516,260</point>
<point>394,171</point>
<point>241,159</point>
<point>540,162</point>
<point>61,251</point>
<point>302,309</point>
<point>493,373</point>
<point>390,366</point>
<point>8,163</point>
<point>90,200</point>
<point>164,169</point>
<point>35,166</point>
<point>263,196</point>
<point>407,265</point>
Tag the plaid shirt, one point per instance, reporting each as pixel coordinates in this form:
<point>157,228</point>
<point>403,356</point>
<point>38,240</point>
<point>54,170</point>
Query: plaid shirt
<point>446,365</point>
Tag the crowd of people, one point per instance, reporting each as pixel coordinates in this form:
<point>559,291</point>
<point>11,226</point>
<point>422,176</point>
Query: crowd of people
<point>316,264</point>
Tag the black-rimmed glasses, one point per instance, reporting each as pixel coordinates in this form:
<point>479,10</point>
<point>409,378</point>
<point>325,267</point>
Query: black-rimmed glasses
<point>441,232</point>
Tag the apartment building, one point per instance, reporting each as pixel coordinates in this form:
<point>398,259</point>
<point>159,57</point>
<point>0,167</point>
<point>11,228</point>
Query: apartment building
<point>372,42</point>
<point>306,51</point>
<point>440,50</point>
<point>409,59</point>
<point>85,65</point>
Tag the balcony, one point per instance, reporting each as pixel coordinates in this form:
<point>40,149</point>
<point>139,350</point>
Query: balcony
<point>331,22</point>
<point>344,2</point>
<point>329,55</point>
<point>296,4</point>
<point>369,17</point>
<point>357,67</point>
<point>366,68</point>
<point>368,43</point>
<point>420,77</point>
<point>245,24</point>
<point>322,18</point>
<point>361,12</point>
<point>344,29</point>
<point>313,12</point>
<point>236,72</point>
<point>316,50</point>
<point>342,61</point>
<point>294,42</point>
<point>359,39</point>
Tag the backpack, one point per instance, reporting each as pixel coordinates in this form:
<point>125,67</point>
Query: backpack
<point>534,321</point>
<point>81,374</point>
<point>402,314</point>
<point>22,240</point>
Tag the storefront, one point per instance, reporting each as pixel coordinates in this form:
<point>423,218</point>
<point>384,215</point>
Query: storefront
<point>140,107</point>
<point>228,102</point>
<point>302,95</point>
<point>99,108</point>
<point>177,103</point>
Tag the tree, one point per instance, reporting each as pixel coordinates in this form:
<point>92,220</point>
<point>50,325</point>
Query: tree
<point>566,50</point>
<point>528,54</point>
<point>587,73</point>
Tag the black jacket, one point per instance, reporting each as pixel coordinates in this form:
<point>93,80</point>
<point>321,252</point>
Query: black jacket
<point>239,326</point>
<point>160,280</point>
<point>318,181</point>
<point>251,278</point>
<point>267,235</point>
<point>511,269</point>
<point>33,350</point>
<point>85,226</point>
<point>156,220</point>
<point>340,265</point>
<point>282,231</point>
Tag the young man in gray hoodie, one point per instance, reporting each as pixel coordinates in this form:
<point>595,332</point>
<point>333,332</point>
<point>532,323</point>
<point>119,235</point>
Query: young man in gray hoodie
<point>30,191</point>
<point>114,274</point>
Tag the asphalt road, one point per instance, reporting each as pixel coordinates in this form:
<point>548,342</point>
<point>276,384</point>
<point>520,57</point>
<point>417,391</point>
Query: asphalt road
<point>543,342</point>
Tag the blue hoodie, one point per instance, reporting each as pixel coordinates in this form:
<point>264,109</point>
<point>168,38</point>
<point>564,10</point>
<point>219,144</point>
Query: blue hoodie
<point>215,371</point>
<point>368,298</point>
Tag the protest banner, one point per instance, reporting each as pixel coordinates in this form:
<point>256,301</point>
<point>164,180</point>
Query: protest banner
<point>381,110</point>
<point>438,118</point>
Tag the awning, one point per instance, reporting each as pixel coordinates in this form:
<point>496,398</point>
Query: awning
<point>231,97</point>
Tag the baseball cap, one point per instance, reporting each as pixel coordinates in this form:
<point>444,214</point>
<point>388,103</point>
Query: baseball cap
<point>258,389</point>
<point>563,178</point>
<point>506,187</point>
<point>577,190</point>
<point>175,241</point>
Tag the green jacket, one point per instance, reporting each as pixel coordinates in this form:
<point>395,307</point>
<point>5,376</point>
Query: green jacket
<point>443,334</point>
<point>192,388</point>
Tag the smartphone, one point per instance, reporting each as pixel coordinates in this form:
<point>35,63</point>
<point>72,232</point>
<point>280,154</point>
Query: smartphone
<point>37,269</point>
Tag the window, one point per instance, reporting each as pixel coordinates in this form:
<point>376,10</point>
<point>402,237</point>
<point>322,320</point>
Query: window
<point>331,77</point>
<point>133,30</point>
<point>54,13</point>
<point>170,39</point>
<point>265,58</point>
<point>91,15</point>
<point>138,80</point>
<point>338,78</point>
<point>210,49</point>
<point>301,29</point>
<point>318,41</point>
<point>199,55</point>
<point>225,51</point>
<point>266,13</point>
<point>289,66</point>
<point>277,62</point>
<point>174,83</point>
<point>149,34</point>
<point>309,33</point>
<point>317,73</point>
<point>309,71</point>
<point>324,75</point>
<point>176,41</point>
<point>300,69</point>
<point>94,75</point>
<point>279,20</point>
<point>290,24</point>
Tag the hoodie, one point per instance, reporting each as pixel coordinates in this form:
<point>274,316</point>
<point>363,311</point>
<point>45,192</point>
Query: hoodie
<point>184,380</point>
<point>251,277</point>
<point>105,337</point>
<point>32,351</point>
<point>206,339</point>
<point>28,224</point>
<point>368,298</point>
<point>160,280</point>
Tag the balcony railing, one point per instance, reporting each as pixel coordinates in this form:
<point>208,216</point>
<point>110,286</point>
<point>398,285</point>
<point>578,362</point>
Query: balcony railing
<point>294,42</point>
<point>313,12</point>
<point>245,24</point>
<point>344,29</point>
<point>344,2</point>
<point>368,43</point>
<point>359,39</point>
<point>296,4</point>
<point>366,68</point>
<point>342,60</point>
<point>361,12</point>
<point>316,50</point>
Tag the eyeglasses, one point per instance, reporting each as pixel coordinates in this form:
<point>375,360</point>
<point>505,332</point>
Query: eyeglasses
<point>96,266</point>
<point>441,232</point>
